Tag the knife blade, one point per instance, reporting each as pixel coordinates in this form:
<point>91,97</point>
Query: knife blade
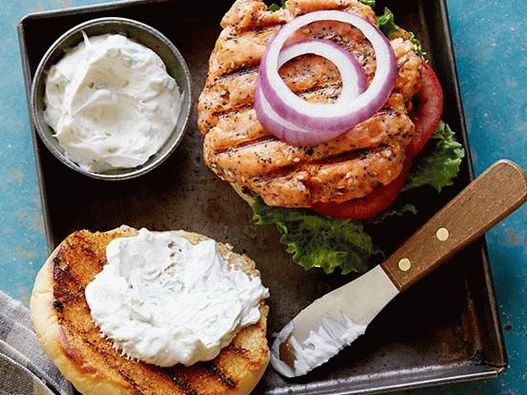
<point>334,321</point>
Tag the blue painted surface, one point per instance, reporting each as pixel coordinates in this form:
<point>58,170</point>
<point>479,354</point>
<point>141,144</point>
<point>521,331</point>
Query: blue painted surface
<point>490,43</point>
<point>22,239</point>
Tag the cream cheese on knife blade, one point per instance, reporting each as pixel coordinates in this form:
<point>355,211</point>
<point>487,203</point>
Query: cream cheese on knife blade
<point>331,323</point>
<point>321,345</point>
<point>111,103</point>
<point>163,300</point>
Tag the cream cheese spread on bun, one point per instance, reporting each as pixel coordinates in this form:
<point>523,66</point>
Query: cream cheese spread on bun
<point>163,300</point>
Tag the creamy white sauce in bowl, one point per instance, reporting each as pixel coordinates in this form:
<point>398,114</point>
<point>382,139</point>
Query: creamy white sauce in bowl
<point>111,98</point>
<point>111,103</point>
<point>163,300</point>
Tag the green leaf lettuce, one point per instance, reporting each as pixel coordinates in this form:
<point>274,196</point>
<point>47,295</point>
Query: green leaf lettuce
<point>318,241</point>
<point>371,3</point>
<point>439,164</point>
<point>387,25</point>
<point>276,7</point>
<point>397,211</point>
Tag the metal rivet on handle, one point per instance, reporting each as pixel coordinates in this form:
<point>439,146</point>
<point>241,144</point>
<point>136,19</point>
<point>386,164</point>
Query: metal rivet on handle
<point>405,264</point>
<point>442,234</point>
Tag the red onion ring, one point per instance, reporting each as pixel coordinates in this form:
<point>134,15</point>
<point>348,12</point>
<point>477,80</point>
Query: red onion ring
<point>324,120</point>
<point>352,75</point>
<point>280,127</point>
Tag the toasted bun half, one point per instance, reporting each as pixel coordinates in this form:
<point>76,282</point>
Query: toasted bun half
<point>67,333</point>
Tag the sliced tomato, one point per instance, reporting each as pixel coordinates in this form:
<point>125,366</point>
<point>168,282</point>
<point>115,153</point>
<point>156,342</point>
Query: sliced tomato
<point>370,205</point>
<point>427,111</point>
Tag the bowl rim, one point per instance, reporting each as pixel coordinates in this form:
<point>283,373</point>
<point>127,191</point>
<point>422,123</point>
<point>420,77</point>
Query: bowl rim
<point>185,110</point>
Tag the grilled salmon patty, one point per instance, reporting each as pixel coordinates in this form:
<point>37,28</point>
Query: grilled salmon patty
<point>65,328</point>
<point>242,152</point>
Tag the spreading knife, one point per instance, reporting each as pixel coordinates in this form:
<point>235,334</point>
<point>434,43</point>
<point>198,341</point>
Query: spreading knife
<point>335,320</point>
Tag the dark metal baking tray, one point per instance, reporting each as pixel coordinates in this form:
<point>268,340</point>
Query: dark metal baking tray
<point>444,330</point>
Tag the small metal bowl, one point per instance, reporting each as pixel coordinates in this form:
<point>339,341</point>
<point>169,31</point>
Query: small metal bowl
<point>140,33</point>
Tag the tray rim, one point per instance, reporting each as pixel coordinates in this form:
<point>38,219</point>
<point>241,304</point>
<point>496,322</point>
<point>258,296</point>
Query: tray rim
<point>488,370</point>
<point>491,291</point>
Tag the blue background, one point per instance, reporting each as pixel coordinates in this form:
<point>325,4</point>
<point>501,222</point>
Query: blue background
<point>490,40</point>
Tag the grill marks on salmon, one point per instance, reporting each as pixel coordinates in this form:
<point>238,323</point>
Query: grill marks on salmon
<point>250,159</point>
<point>239,150</point>
<point>343,179</point>
<point>235,91</point>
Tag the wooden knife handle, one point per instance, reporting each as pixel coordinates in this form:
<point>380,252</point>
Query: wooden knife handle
<point>500,190</point>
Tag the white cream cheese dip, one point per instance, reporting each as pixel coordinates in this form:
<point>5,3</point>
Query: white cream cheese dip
<point>163,300</point>
<point>111,103</point>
